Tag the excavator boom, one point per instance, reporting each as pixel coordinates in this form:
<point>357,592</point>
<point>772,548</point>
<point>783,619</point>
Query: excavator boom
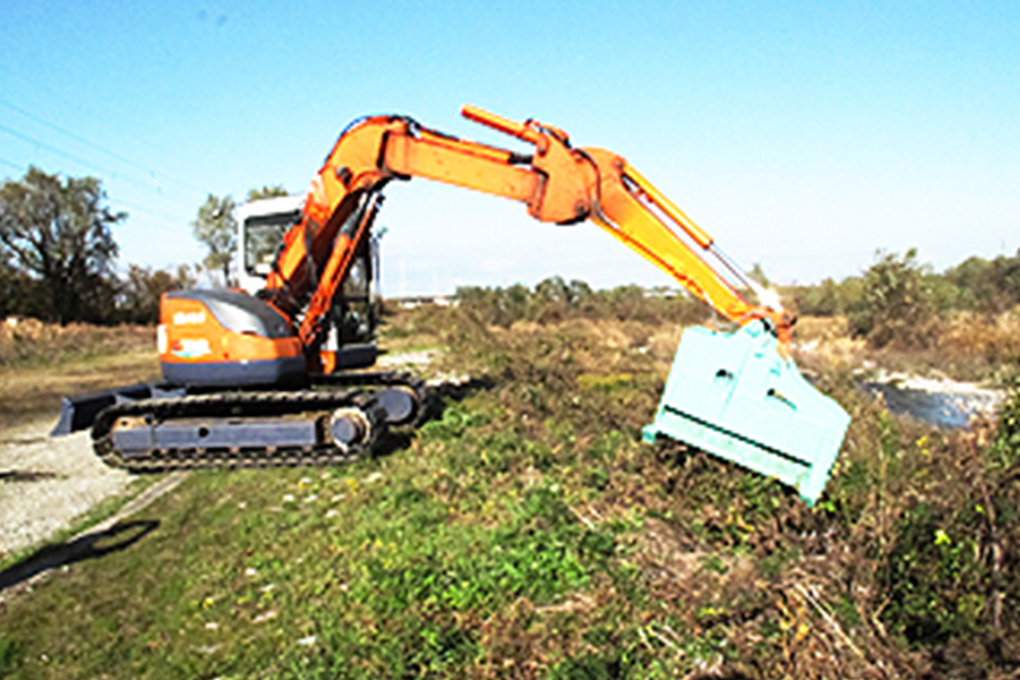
<point>558,183</point>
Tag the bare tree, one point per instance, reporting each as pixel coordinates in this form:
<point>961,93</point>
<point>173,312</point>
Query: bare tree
<point>216,228</point>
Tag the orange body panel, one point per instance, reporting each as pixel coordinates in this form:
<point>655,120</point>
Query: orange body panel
<point>625,216</point>
<point>191,334</point>
<point>489,173</point>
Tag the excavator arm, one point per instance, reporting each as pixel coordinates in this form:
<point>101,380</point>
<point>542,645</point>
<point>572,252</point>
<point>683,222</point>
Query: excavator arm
<point>735,394</point>
<point>557,182</point>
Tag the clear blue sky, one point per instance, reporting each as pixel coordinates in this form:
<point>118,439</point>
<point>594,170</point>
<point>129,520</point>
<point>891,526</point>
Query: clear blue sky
<point>803,136</point>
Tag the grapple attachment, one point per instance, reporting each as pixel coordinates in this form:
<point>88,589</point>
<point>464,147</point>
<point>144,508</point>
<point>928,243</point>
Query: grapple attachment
<point>734,395</point>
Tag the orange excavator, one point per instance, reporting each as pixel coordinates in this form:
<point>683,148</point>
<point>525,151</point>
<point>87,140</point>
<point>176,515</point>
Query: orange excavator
<point>254,381</point>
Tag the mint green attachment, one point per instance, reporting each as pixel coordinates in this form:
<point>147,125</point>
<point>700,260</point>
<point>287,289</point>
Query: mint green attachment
<point>733,395</point>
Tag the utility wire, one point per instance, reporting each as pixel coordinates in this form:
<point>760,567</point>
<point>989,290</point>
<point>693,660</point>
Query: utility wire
<point>16,166</point>
<point>113,154</point>
<point>77,159</point>
<point>166,226</point>
<point>76,106</point>
<point>44,145</point>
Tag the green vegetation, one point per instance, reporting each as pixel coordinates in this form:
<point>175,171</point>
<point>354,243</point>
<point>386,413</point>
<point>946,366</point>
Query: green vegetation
<point>57,252</point>
<point>215,228</point>
<point>556,300</point>
<point>964,322</point>
<point>975,285</point>
<point>528,533</point>
<point>900,301</point>
<point>58,232</point>
<point>897,303</point>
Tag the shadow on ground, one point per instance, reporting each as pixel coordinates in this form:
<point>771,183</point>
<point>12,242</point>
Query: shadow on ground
<point>86,547</point>
<point>28,476</point>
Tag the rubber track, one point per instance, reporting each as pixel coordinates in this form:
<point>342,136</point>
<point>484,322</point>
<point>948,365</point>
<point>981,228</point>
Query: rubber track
<point>249,404</point>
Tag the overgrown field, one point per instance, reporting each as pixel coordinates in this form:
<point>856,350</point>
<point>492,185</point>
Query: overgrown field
<point>527,533</point>
<point>40,362</point>
<point>29,342</point>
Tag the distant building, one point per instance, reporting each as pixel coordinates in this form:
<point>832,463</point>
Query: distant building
<point>412,301</point>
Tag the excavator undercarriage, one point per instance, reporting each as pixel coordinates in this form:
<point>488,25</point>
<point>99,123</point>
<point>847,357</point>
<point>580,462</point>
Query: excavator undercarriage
<point>337,419</point>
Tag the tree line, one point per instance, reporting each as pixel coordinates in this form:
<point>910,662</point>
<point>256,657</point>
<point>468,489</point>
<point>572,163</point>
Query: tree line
<point>57,256</point>
<point>555,299</point>
<point>896,301</point>
<point>899,300</point>
<point>58,253</point>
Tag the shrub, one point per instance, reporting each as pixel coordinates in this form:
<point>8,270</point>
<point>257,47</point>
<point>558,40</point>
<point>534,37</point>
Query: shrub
<point>898,302</point>
<point>555,300</point>
<point>141,290</point>
<point>829,298</point>
<point>987,285</point>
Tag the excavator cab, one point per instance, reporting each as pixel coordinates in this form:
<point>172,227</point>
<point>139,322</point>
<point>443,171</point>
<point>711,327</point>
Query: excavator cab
<point>261,226</point>
<point>214,338</point>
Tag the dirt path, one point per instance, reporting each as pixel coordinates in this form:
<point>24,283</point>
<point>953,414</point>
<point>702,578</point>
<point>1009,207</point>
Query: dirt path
<point>45,483</point>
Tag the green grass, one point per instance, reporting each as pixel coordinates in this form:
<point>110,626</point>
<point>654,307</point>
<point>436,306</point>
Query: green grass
<point>529,533</point>
<point>392,567</point>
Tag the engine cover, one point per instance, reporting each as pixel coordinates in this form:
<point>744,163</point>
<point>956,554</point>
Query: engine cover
<point>225,338</point>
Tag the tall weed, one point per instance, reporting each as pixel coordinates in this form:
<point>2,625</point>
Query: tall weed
<point>911,547</point>
<point>30,342</point>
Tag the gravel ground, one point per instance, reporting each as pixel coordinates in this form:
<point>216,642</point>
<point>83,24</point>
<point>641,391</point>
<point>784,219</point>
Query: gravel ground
<point>45,483</point>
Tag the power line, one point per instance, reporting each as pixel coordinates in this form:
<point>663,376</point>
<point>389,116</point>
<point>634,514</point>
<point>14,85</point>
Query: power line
<point>101,149</point>
<point>75,105</point>
<point>77,159</point>
<point>44,145</point>
<point>16,166</point>
<point>168,227</point>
